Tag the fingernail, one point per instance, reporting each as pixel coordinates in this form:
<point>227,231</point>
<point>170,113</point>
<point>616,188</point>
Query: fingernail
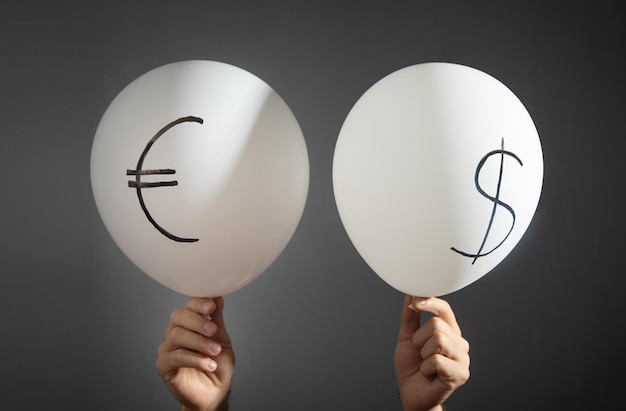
<point>212,365</point>
<point>418,301</point>
<point>210,328</point>
<point>215,348</point>
<point>206,307</point>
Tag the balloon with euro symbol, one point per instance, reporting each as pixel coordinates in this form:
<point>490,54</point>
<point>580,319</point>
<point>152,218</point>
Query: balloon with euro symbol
<point>437,173</point>
<point>200,173</point>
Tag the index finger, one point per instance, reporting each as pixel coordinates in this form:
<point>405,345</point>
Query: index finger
<point>437,307</point>
<point>202,306</point>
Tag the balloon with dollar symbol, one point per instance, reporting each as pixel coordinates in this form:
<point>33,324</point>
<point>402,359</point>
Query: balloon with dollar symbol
<point>437,173</point>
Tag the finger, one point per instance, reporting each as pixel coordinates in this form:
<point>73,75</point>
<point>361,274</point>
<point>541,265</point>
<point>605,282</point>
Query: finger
<point>171,362</point>
<point>202,306</point>
<point>179,337</point>
<point>437,307</point>
<point>452,346</point>
<point>410,320</point>
<point>218,319</point>
<point>434,326</point>
<point>190,320</point>
<point>450,372</point>
<point>218,313</point>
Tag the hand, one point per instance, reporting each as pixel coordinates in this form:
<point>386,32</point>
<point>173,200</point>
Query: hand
<point>431,360</point>
<point>196,358</point>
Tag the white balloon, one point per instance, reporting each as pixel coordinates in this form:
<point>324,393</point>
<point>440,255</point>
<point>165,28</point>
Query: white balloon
<point>230,175</point>
<point>418,180</point>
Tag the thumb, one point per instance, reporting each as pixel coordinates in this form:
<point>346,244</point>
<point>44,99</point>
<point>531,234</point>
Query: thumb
<point>410,320</point>
<point>218,318</point>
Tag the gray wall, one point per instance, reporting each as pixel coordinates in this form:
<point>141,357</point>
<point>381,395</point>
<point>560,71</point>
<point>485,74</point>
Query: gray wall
<point>80,324</point>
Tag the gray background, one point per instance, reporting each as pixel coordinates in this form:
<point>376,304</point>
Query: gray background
<point>80,324</point>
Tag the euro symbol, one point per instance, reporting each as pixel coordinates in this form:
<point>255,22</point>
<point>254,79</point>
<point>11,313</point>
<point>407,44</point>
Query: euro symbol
<point>496,202</point>
<point>138,172</point>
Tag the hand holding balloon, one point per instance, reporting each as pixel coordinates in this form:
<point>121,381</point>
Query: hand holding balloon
<point>431,360</point>
<point>196,358</point>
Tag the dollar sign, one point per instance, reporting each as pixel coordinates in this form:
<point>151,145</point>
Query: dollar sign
<point>496,202</point>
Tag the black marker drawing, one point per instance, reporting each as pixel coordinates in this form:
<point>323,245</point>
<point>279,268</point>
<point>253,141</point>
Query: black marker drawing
<point>138,184</point>
<point>496,202</point>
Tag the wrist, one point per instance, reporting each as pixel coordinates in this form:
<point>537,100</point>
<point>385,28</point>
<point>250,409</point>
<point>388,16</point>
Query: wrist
<point>222,406</point>
<point>439,407</point>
